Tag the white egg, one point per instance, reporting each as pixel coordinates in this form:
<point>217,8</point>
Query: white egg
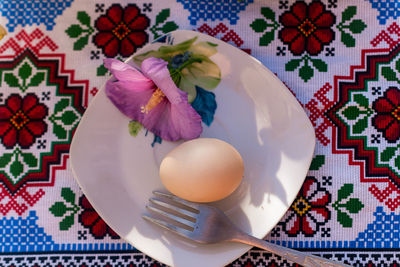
<point>202,170</point>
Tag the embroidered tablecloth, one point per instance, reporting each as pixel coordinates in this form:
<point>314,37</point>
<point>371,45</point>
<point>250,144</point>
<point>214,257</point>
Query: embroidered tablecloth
<point>341,60</point>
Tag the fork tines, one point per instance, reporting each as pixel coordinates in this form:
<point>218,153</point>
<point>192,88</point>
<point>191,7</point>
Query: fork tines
<point>174,214</point>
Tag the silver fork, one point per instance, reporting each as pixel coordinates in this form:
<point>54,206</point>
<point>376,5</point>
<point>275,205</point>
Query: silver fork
<point>207,224</point>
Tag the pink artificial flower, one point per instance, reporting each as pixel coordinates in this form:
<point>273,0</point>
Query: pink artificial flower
<point>152,98</point>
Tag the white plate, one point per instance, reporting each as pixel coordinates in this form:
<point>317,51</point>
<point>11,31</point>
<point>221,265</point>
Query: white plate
<point>256,113</point>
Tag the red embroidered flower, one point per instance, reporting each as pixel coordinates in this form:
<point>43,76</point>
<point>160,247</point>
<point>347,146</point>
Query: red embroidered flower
<point>91,220</point>
<point>22,120</point>
<point>309,211</point>
<point>387,119</point>
<point>121,30</point>
<point>307,28</point>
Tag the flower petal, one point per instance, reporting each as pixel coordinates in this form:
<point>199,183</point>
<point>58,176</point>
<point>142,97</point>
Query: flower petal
<point>315,9</point>
<point>187,86</point>
<point>103,38</point>
<point>38,112</point>
<point>325,36</point>
<point>314,46</point>
<point>308,226</point>
<point>182,121</point>
<point>25,138</point>
<point>298,45</point>
<point>130,13</point>
<point>104,23</point>
<point>383,105</point>
<point>141,22</point>
<point>127,48</point>
<point>14,103</point>
<point>84,202</point>
<point>29,101</point>
<point>125,72</point>
<point>206,74</point>
<point>99,229</point>
<point>138,38</point>
<point>392,133</point>
<point>4,127</point>
<point>5,113</point>
<point>287,35</point>
<point>382,121</point>
<point>37,128</point>
<point>288,19</point>
<point>293,225</point>
<point>393,95</point>
<point>206,49</point>
<point>325,20</point>
<point>114,13</point>
<point>10,138</point>
<point>299,9</point>
<point>89,217</point>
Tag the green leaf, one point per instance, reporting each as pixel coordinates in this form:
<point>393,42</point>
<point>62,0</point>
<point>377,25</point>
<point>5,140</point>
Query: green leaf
<point>259,25</point>
<point>360,125</point>
<point>345,191</point>
<point>388,73</point>
<point>101,70</point>
<point>306,72</point>
<point>11,80</point>
<point>25,71</point>
<point>68,195</point>
<point>398,65</point>
<point>348,13</point>
<point>67,222</point>
<point>361,100</point>
<point>69,117</point>
<point>58,209</point>
<point>84,18</point>
<point>74,30</point>
<point>30,159</point>
<point>268,13</point>
<point>354,205</point>
<point>267,38</point>
<point>320,65</point>
<point>351,112</point>
<point>162,16</point>
<point>317,162</point>
<point>397,162</point>
<point>357,26</point>
<point>344,219</point>
<point>16,168</point>
<point>59,131</point>
<point>61,105</point>
<point>134,127</point>
<point>81,42</point>
<point>37,79</point>
<point>5,159</point>
<point>388,153</point>
<point>292,64</point>
<point>347,39</point>
<point>169,27</point>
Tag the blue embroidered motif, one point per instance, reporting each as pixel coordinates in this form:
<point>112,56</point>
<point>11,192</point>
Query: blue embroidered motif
<point>215,9</point>
<point>387,9</point>
<point>24,235</point>
<point>29,12</point>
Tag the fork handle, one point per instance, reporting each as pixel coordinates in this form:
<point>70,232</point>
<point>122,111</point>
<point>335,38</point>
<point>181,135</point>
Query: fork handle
<point>301,258</point>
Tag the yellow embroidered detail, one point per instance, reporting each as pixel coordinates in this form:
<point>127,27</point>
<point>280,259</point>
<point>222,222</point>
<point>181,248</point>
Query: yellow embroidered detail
<point>306,27</point>
<point>154,100</point>
<point>19,120</point>
<point>396,113</point>
<point>301,206</point>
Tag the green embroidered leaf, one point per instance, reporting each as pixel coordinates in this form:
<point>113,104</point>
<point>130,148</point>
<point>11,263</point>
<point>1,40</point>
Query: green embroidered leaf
<point>61,105</point>
<point>397,162</point>
<point>69,117</point>
<point>320,65</point>
<point>317,162</point>
<point>30,159</point>
<point>354,205</point>
<point>134,127</point>
<point>348,13</point>
<point>37,79</point>
<point>398,65</point>
<point>259,25</point>
<point>347,39</point>
<point>67,222</point>
<point>169,27</point>
<point>357,26</point>
<point>16,168</point>
<point>388,153</point>
<point>344,219</point>
<point>306,72</point>
<point>81,42</point>
<point>25,71</point>
<point>360,125</point>
<point>74,30</point>
<point>351,112</point>
<point>345,191</point>
<point>162,16</point>
<point>361,100</point>
<point>292,64</point>
<point>101,70</point>
<point>58,209</point>
<point>267,38</point>
<point>268,13</point>
<point>5,159</point>
<point>84,18</point>
<point>11,80</point>
<point>68,195</point>
<point>388,73</point>
<point>59,131</point>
